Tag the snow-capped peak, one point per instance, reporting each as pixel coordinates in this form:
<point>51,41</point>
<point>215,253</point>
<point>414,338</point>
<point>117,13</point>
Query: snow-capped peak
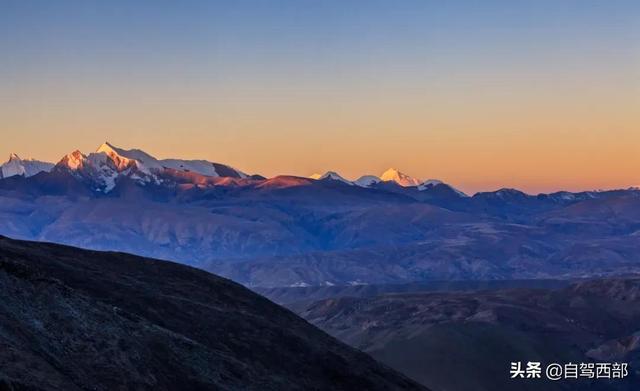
<point>12,167</point>
<point>431,183</point>
<point>23,167</point>
<point>331,175</point>
<point>367,180</point>
<point>202,167</point>
<point>106,147</point>
<point>103,168</point>
<point>133,154</point>
<point>394,175</point>
<point>74,160</point>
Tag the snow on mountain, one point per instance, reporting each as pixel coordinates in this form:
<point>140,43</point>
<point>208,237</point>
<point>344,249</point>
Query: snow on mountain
<point>103,167</point>
<point>12,167</point>
<point>460,192</point>
<point>134,154</point>
<point>109,162</point>
<point>121,162</point>
<point>431,183</point>
<point>202,167</point>
<point>24,167</point>
<point>367,180</point>
<point>72,161</point>
<point>331,175</point>
<point>393,175</point>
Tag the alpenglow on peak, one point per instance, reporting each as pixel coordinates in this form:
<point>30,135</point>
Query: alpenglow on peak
<point>400,178</point>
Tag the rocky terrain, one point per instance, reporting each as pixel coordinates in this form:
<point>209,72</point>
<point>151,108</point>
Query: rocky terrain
<point>467,340</point>
<point>74,319</point>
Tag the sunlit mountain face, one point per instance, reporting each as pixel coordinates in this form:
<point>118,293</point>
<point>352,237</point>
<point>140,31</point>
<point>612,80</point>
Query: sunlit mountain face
<point>326,230</point>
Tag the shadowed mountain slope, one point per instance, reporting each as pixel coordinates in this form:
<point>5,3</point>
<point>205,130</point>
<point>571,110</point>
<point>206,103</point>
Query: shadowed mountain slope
<point>73,319</point>
<point>467,340</point>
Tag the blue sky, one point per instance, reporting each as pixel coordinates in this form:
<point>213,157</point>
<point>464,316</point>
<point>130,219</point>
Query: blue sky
<point>381,81</point>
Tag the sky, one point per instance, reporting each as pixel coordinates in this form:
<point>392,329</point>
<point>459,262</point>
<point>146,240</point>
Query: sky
<point>536,95</point>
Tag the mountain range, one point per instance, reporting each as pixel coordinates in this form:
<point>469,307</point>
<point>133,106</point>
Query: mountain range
<point>391,175</point>
<point>296,231</point>
<point>108,163</point>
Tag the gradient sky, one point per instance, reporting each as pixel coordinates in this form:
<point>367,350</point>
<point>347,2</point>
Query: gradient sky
<point>538,95</point>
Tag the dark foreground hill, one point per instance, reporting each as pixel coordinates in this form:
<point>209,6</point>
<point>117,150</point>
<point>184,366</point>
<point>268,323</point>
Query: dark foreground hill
<point>466,340</point>
<point>73,319</point>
